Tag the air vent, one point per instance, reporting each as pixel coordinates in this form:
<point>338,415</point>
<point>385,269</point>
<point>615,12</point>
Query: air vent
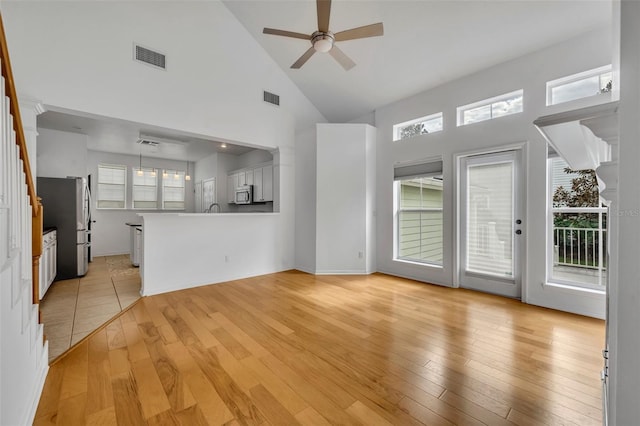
<point>150,57</point>
<point>271,98</point>
<point>147,142</point>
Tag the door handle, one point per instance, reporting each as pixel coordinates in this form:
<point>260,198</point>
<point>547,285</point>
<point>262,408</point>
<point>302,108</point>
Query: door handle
<point>518,231</point>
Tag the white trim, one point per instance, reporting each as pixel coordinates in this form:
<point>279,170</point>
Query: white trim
<point>30,415</point>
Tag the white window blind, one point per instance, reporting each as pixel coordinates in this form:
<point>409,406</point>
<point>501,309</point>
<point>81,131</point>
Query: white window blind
<point>145,189</point>
<point>490,210</point>
<point>419,213</point>
<point>112,186</point>
<point>173,190</point>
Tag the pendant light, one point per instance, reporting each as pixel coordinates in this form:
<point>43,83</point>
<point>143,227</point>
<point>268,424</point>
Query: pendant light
<point>187,177</point>
<point>165,174</point>
<point>140,172</point>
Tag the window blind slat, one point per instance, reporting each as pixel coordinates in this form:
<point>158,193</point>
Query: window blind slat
<point>429,169</point>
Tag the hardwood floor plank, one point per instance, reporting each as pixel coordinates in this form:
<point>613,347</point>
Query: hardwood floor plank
<point>274,412</point>
<point>366,415</point>
<point>277,387</point>
<point>209,402</point>
<point>126,400</point>
<point>153,400</point>
<point>99,383</point>
<point>234,398</point>
<point>176,390</point>
<point>291,348</point>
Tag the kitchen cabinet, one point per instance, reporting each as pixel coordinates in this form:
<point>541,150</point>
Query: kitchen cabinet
<point>231,188</point>
<point>261,177</point>
<point>48,261</point>
<point>263,184</point>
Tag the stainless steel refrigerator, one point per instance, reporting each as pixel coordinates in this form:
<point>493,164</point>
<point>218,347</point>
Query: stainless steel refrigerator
<point>67,207</point>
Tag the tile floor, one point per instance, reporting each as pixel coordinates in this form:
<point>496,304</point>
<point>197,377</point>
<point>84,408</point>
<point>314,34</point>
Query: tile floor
<point>74,308</point>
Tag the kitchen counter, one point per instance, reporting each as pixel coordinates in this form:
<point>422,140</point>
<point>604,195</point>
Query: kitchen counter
<point>182,250</point>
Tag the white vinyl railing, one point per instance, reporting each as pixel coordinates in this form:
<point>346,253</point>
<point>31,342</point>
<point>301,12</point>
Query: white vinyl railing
<point>580,247</point>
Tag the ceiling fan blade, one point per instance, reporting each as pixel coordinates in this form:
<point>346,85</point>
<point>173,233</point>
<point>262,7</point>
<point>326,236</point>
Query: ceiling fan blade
<point>284,33</point>
<point>373,30</point>
<point>304,58</point>
<point>324,11</point>
<point>342,59</point>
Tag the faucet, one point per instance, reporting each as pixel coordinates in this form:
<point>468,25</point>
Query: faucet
<point>211,208</point>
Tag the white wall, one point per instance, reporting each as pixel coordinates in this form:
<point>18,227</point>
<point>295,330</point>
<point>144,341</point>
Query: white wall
<point>61,154</point>
<point>624,298</point>
<point>207,88</point>
<point>109,235</point>
<point>529,73</point>
<point>253,158</point>
<point>209,249</point>
<point>344,198</point>
<point>305,179</point>
<point>205,168</point>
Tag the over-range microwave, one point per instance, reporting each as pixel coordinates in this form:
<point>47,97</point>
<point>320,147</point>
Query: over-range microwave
<point>244,194</point>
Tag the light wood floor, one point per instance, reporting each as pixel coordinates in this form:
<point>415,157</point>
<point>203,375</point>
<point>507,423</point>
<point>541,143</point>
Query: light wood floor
<point>294,348</point>
<point>74,308</point>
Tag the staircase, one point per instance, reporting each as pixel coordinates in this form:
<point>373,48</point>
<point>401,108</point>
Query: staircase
<point>23,351</point>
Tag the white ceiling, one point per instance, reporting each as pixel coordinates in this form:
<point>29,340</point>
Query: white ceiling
<point>426,43</point>
<point>120,137</point>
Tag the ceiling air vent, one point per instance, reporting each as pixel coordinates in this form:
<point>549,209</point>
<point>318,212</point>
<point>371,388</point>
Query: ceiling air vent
<point>150,57</point>
<point>271,98</point>
<point>147,142</point>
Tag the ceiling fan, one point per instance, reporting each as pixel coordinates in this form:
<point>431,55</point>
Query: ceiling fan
<point>324,40</point>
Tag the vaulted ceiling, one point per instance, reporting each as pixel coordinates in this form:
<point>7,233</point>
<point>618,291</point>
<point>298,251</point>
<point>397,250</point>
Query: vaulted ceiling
<point>425,44</point>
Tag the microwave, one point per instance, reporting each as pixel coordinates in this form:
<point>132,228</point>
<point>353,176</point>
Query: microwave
<point>244,194</point>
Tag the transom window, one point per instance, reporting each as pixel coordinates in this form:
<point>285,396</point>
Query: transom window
<point>419,213</point>
<point>488,109</point>
<point>419,126</point>
<point>112,186</point>
<point>580,85</point>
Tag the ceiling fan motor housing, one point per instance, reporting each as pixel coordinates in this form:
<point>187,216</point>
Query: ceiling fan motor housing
<point>322,41</point>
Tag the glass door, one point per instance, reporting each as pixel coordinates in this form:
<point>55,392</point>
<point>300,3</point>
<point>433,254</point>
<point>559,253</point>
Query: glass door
<point>491,228</point>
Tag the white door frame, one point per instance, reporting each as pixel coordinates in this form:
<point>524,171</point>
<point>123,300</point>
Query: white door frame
<point>521,151</point>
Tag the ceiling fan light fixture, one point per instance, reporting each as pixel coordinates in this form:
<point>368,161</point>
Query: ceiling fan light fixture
<point>322,42</point>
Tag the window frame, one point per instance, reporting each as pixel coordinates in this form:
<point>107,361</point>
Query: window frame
<point>427,172</point>
<point>397,128</point>
<point>134,171</point>
<point>460,111</point>
<point>174,172</point>
<point>550,247</point>
<point>573,78</point>
<point>124,169</point>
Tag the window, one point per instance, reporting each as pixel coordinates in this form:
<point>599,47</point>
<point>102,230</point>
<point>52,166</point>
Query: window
<point>581,85</point>
<point>419,213</point>
<point>577,227</point>
<point>173,190</point>
<point>419,126</point>
<point>145,189</point>
<point>112,186</point>
<point>488,109</point>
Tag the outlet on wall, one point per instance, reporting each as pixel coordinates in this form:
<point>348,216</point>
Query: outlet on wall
<point>360,254</point>
<point>226,258</point>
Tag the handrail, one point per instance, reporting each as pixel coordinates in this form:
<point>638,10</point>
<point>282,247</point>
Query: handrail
<point>10,91</point>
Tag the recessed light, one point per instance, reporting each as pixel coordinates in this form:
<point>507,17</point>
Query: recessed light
<point>224,145</point>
